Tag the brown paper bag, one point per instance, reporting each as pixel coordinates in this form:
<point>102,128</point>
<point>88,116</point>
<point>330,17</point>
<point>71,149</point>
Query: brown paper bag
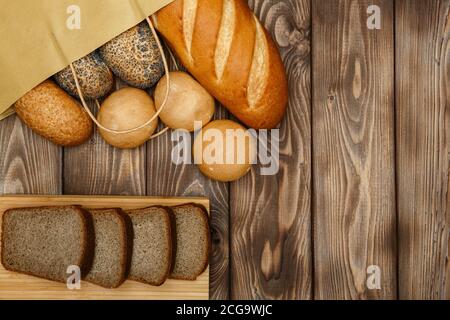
<point>40,38</point>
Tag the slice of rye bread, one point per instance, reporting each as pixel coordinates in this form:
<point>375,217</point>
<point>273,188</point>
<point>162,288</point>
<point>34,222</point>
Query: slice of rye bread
<point>151,236</point>
<point>45,241</point>
<point>193,241</point>
<point>109,263</point>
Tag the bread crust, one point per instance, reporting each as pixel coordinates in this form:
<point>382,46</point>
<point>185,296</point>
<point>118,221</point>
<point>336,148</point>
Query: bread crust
<point>84,253</point>
<point>232,89</point>
<point>173,235</point>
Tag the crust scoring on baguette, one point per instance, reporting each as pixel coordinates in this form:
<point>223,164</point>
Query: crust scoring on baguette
<point>258,78</point>
<point>225,37</point>
<point>255,95</point>
<point>189,16</point>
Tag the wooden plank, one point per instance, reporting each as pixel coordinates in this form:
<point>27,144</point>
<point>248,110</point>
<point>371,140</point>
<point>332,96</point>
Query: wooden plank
<point>353,162</point>
<point>97,168</point>
<point>28,163</point>
<point>271,215</point>
<point>423,147</point>
<point>164,178</point>
<point>17,286</point>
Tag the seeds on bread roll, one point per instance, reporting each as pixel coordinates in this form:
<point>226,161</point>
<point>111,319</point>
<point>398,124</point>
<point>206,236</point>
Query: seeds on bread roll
<point>134,57</point>
<point>52,113</point>
<point>96,80</point>
<point>225,47</point>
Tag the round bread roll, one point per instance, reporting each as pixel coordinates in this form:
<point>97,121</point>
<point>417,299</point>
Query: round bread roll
<point>134,57</point>
<point>214,153</point>
<point>126,109</point>
<point>94,76</point>
<point>52,113</point>
<point>188,102</point>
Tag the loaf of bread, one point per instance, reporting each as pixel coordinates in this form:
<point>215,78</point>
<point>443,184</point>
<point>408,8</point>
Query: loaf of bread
<point>147,245</point>
<point>50,112</point>
<point>225,47</point>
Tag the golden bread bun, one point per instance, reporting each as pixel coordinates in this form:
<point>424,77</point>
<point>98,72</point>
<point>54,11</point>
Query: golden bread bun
<point>214,153</point>
<point>126,109</point>
<point>50,112</point>
<point>188,102</point>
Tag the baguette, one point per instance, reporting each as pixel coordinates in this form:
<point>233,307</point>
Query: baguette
<point>225,47</point>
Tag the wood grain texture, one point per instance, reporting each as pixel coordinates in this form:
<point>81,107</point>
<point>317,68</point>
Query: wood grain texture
<point>18,286</point>
<point>29,164</point>
<point>423,147</point>
<point>271,215</point>
<point>353,153</point>
<point>97,168</point>
<point>164,178</point>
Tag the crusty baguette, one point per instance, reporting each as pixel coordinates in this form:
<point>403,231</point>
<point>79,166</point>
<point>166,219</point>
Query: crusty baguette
<point>50,112</point>
<point>229,52</point>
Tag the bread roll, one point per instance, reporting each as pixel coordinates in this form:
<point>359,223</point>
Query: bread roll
<point>96,80</point>
<point>53,114</point>
<point>126,109</point>
<point>225,47</point>
<point>134,57</point>
<point>187,102</point>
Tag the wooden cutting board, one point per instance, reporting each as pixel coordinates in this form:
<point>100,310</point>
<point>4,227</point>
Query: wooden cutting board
<point>18,286</point>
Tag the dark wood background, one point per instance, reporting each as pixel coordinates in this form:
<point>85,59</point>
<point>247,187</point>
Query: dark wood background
<point>364,161</point>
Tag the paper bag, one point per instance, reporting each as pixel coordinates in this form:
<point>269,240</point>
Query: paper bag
<point>39,38</point>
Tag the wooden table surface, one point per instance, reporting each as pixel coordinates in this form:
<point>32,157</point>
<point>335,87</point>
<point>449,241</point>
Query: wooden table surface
<point>364,161</point>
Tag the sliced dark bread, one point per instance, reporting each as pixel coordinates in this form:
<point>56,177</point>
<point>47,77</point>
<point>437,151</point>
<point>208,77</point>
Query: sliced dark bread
<point>151,258</point>
<point>110,254</point>
<point>193,241</point>
<point>44,242</point>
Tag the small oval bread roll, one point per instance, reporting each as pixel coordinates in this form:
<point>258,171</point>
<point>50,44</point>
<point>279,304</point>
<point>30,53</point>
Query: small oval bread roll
<point>126,109</point>
<point>214,153</point>
<point>134,57</point>
<point>53,114</point>
<point>96,80</point>
<point>188,102</point>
